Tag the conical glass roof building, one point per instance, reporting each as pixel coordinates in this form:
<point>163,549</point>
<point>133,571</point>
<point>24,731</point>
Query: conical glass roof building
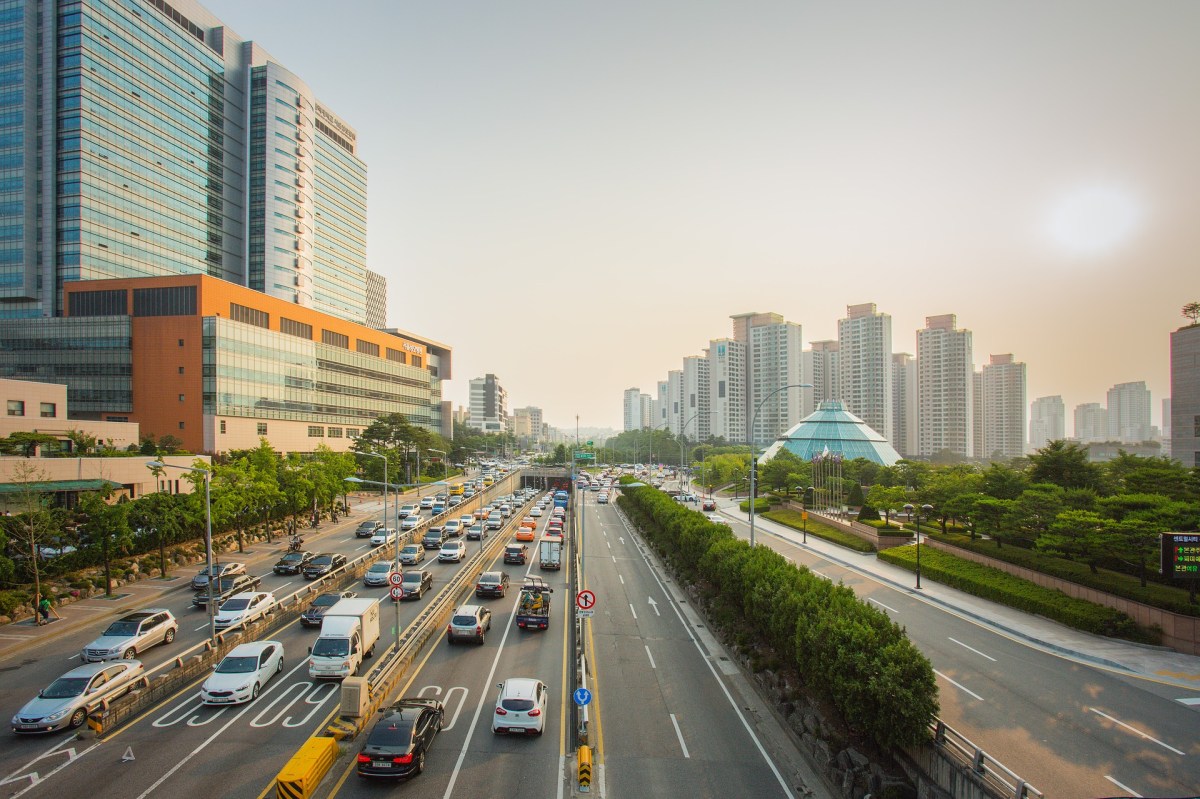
<point>832,429</point>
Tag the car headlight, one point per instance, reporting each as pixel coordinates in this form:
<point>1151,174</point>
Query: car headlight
<point>244,687</point>
<point>55,716</point>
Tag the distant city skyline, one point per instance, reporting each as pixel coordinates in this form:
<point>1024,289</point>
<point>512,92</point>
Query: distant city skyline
<point>629,175</point>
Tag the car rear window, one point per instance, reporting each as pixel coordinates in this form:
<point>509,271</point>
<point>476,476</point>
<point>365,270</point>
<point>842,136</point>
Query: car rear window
<point>391,733</point>
<point>517,704</point>
<point>465,621</point>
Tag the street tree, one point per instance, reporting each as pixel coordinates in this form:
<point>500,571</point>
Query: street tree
<point>1065,465</point>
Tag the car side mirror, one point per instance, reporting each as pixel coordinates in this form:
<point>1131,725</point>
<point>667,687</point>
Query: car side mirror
<point>310,650</point>
<point>499,685</point>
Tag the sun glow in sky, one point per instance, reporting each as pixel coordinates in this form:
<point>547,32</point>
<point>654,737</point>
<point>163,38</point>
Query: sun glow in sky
<point>574,196</point>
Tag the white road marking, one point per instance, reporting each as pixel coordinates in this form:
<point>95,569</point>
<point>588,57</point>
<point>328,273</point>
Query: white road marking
<point>737,711</point>
<point>89,607</point>
<point>958,685</point>
<point>973,649</point>
<point>19,637</point>
<point>1124,788</point>
<point>880,604</point>
<point>313,694</point>
<point>607,544</point>
<point>622,579</point>
<point>614,557</point>
<point>654,605</point>
<point>652,664</point>
<point>1189,700</point>
<point>35,778</point>
<point>245,709</point>
<point>679,735</point>
<point>1135,731</point>
<point>634,612</point>
<point>822,576</point>
<point>280,587</point>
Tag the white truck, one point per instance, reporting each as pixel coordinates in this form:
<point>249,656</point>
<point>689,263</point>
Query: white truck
<point>349,631</point>
<point>550,553</point>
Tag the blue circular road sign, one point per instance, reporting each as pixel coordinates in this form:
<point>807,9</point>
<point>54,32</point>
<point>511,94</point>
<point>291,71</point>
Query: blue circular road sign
<point>582,696</point>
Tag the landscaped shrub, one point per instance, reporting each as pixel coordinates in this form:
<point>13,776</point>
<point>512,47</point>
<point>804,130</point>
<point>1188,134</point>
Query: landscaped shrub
<point>848,653</point>
<point>761,505</point>
<point>793,519</point>
<point>1115,583</point>
<point>997,586</point>
<point>11,600</point>
<point>868,514</point>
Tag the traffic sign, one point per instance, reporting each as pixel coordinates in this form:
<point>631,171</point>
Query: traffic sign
<point>582,696</point>
<point>584,614</point>
<point>397,592</point>
<point>585,456</point>
<point>395,578</point>
<point>585,600</point>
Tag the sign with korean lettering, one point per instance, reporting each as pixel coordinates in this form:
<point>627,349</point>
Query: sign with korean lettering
<point>1180,555</point>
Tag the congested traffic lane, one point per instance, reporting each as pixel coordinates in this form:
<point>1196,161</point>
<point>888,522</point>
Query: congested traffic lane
<point>166,731</point>
<point>466,758</point>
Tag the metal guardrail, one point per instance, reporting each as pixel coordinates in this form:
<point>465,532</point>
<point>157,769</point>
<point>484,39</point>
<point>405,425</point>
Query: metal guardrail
<point>997,777</point>
<point>166,678</point>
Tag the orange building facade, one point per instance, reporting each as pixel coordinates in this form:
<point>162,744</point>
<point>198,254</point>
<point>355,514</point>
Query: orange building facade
<point>220,366</point>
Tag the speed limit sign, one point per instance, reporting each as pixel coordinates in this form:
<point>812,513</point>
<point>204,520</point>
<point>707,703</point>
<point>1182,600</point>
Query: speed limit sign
<point>397,592</point>
<point>395,578</point>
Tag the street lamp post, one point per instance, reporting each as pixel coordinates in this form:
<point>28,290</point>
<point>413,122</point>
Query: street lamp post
<point>396,531</point>
<point>208,553</point>
<point>804,509</point>
<point>924,509</point>
<point>754,452</point>
<point>445,466</point>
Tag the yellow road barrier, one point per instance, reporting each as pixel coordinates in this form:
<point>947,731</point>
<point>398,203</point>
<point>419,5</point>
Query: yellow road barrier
<point>300,776</point>
<point>585,769</point>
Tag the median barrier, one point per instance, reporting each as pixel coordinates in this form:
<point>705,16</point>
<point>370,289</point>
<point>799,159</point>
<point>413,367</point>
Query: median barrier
<point>585,769</point>
<point>303,773</point>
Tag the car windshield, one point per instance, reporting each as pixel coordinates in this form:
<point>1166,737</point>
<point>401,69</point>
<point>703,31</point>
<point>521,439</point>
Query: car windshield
<point>65,687</point>
<point>331,647</point>
<point>391,733</point>
<point>412,577</point>
<point>237,665</point>
<point>517,704</point>
<point>489,577</point>
<point>325,600</point>
<point>380,568</point>
<point>292,557</point>
<point>235,604</point>
<point>321,560</point>
<point>410,549</point>
<point>465,621</point>
<point>122,628</point>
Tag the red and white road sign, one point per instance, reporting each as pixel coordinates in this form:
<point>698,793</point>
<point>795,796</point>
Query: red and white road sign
<point>395,578</point>
<point>585,600</point>
<point>397,592</point>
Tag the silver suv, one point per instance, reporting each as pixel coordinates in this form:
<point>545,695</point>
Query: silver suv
<point>469,622</point>
<point>129,636</point>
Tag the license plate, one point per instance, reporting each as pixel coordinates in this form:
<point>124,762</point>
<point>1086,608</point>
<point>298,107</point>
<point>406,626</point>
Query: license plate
<point>27,726</point>
<point>517,730</point>
<point>382,764</point>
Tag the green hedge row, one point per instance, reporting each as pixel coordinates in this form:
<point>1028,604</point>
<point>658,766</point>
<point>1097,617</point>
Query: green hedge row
<point>1122,585</point>
<point>997,586</point>
<point>846,652</point>
<point>761,505</point>
<point>792,518</point>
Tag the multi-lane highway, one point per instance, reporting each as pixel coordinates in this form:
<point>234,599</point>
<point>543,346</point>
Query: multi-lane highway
<point>669,711</point>
<point>1068,727</point>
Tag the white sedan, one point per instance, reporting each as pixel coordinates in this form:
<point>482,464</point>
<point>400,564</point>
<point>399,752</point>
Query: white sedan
<point>384,535</point>
<point>241,609</point>
<point>537,511</point>
<point>241,675</point>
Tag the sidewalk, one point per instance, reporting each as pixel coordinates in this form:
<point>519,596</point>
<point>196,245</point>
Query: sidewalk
<point>1159,663</point>
<point>96,612</point>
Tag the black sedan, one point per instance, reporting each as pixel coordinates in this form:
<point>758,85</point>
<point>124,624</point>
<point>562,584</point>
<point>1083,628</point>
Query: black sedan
<point>292,562</point>
<point>323,564</point>
<point>400,740</point>
<point>312,615</point>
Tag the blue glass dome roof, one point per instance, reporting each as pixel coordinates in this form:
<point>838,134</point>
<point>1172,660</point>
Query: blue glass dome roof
<point>832,429</point>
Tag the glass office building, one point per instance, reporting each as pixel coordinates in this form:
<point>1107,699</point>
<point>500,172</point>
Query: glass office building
<point>143,138</point>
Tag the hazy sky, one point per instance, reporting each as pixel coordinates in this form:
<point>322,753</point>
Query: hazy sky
<point>576,195</point>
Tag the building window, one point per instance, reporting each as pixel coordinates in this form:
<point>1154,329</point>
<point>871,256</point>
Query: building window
<point>334,432</point>
<point>49,410</point>
<point>316,431</point>
<point>222,425</point>
<point>249,316</point>
<point>366,347</point>
<point>334,339</point>
<point>181,342</point>
<point>97,303</point>
<point>720,389</point>
<point>181,370</point>
<point>396,355</point>
<point>418,361</point>
<point>352,432</point>
<point>181,425</point>
<point>1196,427</point>
<point>116,418</point>
<point>166,301</point>
<point>294,328</point>
<point>262,428</point>
<point>16,407</point>
<point>181,398</point>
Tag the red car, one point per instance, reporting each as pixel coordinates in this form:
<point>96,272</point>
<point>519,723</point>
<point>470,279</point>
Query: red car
<point>708,504</point>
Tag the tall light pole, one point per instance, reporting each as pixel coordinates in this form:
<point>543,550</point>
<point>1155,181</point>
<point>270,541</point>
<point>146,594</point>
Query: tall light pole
<point>383,516</point>
<point>396,563</point>
<point>754,452</point>
<point>924,509</point>
<point>445,466</point>
<point>208,553</point>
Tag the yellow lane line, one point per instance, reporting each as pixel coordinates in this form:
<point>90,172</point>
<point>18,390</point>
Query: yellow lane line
<point>595,703</point>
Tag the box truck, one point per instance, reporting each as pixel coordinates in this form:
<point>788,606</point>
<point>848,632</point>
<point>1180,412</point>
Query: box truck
<point>349,631</point>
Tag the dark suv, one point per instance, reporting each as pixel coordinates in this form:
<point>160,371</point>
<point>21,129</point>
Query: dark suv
<point>323,564</point>
<point>516,553</point>
<point>491,584</point>
<point>434,537</point>
<point>367,529</point>
<point>416,582</point>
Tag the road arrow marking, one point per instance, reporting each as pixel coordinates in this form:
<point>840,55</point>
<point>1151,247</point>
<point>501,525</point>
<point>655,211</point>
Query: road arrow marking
<point>654,605</point>
<point>128,756</point>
